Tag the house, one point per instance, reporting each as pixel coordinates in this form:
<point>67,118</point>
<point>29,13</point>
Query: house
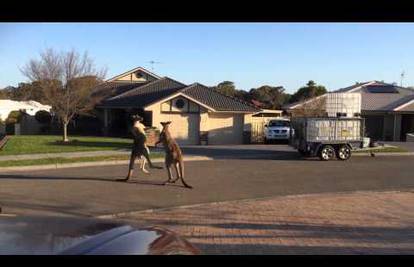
<point>29,107</point>
<point>195,110</point>
<point>269,113</point>
<point>388,109</point>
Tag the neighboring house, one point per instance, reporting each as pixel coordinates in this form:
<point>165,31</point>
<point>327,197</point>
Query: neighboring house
<point>30,107</point>
<point>388,109</point>
<point>195,110</point>
<point>28,125</point>
<point>269,113</point>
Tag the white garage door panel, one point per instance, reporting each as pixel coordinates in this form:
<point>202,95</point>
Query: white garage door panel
<point>185,128</point>
<point>225,129</point>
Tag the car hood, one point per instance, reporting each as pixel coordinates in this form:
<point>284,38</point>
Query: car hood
<point>77,236</point>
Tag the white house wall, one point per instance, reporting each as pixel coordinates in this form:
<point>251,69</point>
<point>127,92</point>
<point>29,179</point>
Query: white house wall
<point>31,107</point>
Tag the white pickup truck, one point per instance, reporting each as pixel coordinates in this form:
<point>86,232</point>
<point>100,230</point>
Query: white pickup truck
<point>277,129</point>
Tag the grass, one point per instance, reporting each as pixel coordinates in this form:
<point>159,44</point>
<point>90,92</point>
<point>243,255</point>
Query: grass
<point>60,160</point>
<point>33,144</point>
<point>383,150</point>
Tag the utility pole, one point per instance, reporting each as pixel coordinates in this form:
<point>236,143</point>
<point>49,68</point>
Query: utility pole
<point>402,78</point>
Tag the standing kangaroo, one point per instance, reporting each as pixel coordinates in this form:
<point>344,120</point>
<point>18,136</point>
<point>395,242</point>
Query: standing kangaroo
<point>173,155</point>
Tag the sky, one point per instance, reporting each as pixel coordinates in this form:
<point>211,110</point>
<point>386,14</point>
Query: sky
<point>335,55</point>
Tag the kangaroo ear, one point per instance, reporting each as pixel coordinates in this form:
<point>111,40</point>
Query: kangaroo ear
<point>168,122</point>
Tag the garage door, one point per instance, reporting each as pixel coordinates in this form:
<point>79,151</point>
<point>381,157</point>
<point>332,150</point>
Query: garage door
<point>185,128</point>
<point>374,127</point>
<point>225,129</point>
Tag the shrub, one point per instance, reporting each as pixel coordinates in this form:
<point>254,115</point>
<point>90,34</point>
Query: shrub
<point>43,117</point>
<point>14,117</point>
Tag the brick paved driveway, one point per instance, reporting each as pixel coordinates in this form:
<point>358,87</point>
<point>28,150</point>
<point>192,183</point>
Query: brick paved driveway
<point>341,223</point>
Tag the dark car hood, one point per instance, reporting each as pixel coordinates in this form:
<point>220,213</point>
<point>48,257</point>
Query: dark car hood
<point>71,235</point>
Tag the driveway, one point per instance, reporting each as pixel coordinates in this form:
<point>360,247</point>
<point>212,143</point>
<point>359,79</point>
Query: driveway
<point>341,223</point>
<point>92,191</point>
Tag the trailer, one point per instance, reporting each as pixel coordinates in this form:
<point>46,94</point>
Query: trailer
<point>327,137</point>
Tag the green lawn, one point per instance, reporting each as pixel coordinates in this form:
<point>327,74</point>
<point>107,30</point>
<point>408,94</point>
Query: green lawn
<point>32,144</point>
<point>13,163</point>
<point>383,150</point>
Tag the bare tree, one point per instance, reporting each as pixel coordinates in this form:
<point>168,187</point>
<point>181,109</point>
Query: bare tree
<point>315,107</point>
<point>66,79</point>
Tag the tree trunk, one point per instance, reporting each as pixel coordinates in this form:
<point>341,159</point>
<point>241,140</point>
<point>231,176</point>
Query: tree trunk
<point>65,132</point>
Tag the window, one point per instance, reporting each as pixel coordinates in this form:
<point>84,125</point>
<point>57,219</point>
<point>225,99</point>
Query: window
<point>179,103</point>
<point>139,75</point>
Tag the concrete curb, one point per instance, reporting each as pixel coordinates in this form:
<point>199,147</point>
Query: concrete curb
<point>88,164</point>
<point>367,154</point>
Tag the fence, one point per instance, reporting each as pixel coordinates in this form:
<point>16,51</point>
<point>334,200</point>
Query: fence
<point>257,130</point>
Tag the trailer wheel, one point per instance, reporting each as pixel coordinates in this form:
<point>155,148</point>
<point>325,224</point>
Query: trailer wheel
<point>344,152</point>
<point>327,152</point>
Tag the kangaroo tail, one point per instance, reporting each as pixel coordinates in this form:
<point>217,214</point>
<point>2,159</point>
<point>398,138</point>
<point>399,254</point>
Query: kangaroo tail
<point>181,165</point>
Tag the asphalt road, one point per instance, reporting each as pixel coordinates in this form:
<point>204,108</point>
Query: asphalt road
<point>92,191</point>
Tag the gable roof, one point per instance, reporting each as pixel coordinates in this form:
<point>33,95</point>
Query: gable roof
<point>217,100</point>
<point>110,89</point>
<point>144,95</point>
<point>158,90</point>
<point>354,87</point>
<point>132,71</point>
<point>302,102</point>
<point>374,101</point>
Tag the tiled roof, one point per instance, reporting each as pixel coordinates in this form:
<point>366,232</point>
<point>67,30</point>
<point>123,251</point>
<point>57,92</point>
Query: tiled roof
<point>160,89</point>
<point>145,95</point>
<point>408,107</point>
<point>216,100</point>
<point>373,101</point>
<point>349,88</point>
<point>110,89</point>
<point>384,102</point>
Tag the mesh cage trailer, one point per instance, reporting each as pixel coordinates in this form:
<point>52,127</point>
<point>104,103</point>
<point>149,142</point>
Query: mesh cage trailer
<point>327,137</point>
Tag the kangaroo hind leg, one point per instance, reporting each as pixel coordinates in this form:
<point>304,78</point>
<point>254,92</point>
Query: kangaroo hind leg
<point>176,167</point>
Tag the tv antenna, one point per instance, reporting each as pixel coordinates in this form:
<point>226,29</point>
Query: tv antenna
<point>402,78</point>
<point>152,62</point>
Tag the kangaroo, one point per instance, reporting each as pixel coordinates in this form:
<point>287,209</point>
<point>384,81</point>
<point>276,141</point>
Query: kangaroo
<point>173,155</point>
<point>140,149</point>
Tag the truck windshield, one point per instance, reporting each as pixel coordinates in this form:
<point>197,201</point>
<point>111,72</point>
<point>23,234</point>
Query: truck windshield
<point>279,124</point>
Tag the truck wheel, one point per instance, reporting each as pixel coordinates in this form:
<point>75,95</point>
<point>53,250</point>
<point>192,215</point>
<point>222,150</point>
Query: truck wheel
<point>327,152</point>
<point>344,152</point>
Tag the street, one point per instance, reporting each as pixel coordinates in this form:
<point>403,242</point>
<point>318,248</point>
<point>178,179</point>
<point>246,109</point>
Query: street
<point>93,191</point>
